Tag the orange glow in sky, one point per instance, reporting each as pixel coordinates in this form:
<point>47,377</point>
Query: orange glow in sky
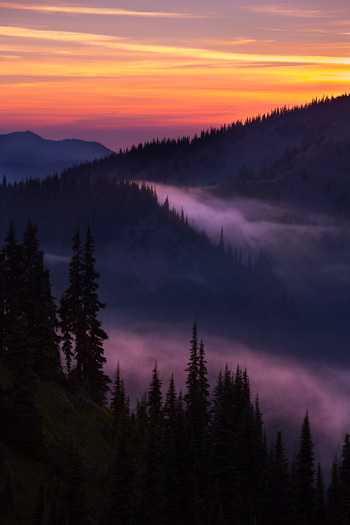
<point>125,73</point>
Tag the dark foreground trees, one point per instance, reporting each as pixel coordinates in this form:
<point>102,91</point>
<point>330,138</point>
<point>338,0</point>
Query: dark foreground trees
<point>199,458</point>
<point>30,350</point>
<point>214,465</point>
<point>29,343</point>
<point>81,329</point>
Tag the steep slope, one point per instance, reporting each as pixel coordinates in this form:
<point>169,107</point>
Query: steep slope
<point>314,178</point>
<point>237,151</point>
<point>152,262</point>
<point>25,154</point>
<point>68,419</point>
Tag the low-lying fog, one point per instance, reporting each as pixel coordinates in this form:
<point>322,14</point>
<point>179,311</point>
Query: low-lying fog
<point>305,246</point>
<point>312,255</point>
<point>286,388</point>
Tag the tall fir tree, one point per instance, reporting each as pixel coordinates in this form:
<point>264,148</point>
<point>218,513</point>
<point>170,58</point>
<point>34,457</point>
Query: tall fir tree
<point>12,277</point>
<point>39,306</point>
<point>122,495</point>
<point>192,368</point>
<point>94,379</point>
<point>203,383</point>
<point>189,497</point>
<point>82,331</point>
<point>197,413</point>
<point>279,510</point>
<point>197,388</point>
<point>71,311</point>
<point>154,401</point>
<point>333,495</point>
<point>171,472</point>
<point>152,507</point>
<point>305,474</point>
<point>22,415</point>
<point>320,507</point>
<point>224,478</point>
<point>118,399</point>
<point>344,482</point>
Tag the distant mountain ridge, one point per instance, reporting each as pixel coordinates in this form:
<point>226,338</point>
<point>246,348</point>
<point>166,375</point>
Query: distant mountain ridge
<point>300,155</point>
<point>24,154</point>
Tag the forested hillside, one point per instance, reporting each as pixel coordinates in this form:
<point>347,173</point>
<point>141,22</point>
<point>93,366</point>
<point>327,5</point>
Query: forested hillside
<point>153,261</point>
<point>195,457</point>
<point>92,245</point>
<point>292,142</point>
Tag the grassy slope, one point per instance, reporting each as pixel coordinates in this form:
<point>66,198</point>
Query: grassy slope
<point>66,416</point>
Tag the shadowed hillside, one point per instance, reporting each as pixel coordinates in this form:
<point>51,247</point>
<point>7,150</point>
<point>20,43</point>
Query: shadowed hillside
<point>288,142</point>
<point>152,261</point>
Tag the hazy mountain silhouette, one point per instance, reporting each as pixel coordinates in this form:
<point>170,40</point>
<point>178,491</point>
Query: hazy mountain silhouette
<point>300,155</point>
<point>24,154</point>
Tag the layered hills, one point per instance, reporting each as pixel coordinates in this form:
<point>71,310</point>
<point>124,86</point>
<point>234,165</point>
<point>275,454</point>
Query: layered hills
<point>267,181</point>
<point>275,280</point>
<point>24,154</point>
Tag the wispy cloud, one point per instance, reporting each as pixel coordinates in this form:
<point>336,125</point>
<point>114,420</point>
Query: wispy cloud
<point>9,57</point>
<point>288,10</point>
<point>67,36</point>
<point>118,43</point>
<point>104,11</point>
<point>294,30</point>
<point>236,41</point>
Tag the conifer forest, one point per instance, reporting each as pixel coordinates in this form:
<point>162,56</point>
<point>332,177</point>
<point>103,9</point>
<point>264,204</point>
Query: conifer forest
<point>99,248</point>
<point>195,456</point>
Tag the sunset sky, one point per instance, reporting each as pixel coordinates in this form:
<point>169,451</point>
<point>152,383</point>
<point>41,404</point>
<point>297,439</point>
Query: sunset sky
<point>124,72</point>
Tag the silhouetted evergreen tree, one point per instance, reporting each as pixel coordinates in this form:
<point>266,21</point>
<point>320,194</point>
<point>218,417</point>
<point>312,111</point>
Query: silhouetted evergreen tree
<point>197,388</point>
<point>155,399</point>
<point>23,418</point>
<point>244,424</point>
<point>344,482</point>
<point>122,484</point>
<point>189,494</point>
<point>197,410</point>
<point>95,381</point>
<point>80,325</point>
<point>171,471</point>
<point>305,474</point>
<point>118,400</point>
<point>279,511</point>
<point>71,311</point>
<point>333,495</point>
<point>192,369</point>
<point>320,507</point>
<point>261,463</point>
<point>203,384</point>
<point>224,478</point>
<point>221,240</point>
<point>38,304</point>
<point>12,277</point>
<point>152,507</point>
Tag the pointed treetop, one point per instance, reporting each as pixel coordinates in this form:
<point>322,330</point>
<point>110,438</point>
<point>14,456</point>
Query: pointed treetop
<point>155,395</point>
<point>221,241</point>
